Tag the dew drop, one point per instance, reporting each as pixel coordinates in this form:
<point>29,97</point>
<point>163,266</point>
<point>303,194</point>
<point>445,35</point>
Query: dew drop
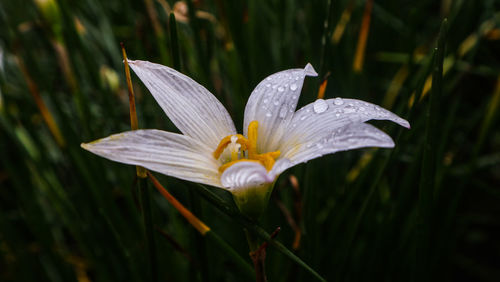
<point>320,106</point>
<point>293,87</point>
<point>265,101</point>
<point>338,101</point>
<point>276,102</point>
<point>268,114</point>
<point>281,89</point>
<point>268,85</point>
<point>349,109</point>
<point>294,97</point>
<point>302,117</point>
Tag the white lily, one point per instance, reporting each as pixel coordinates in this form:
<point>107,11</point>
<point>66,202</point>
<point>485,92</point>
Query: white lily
<point>276,137</point>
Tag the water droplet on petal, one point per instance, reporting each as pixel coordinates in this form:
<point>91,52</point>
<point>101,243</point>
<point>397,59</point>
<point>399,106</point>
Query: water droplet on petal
<point>268,114</point>
<point>320,106</point>
<point>265,101</point>
<point>281,89</point>
<point>349,109</point>
<point>276,102</point>
<point>293,87</point>
<point>338,101</point>
<point>268,85</point>
<point>302,117</point>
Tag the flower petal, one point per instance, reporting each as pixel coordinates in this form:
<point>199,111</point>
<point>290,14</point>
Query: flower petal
<point>192,108</point>
<point>165,152</point>
<point>246,174</point>
<point>324,116</point>
<point>351,136</point>
<point>272,103</point>
<point>281,165</point>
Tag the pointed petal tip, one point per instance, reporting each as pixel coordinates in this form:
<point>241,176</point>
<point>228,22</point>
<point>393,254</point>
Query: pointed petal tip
<point>309,70</point>
<point>405,123</point>
<point>129,61</point>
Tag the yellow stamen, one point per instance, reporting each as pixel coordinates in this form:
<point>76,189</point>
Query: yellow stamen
<point>253,129</point>
<point>247,144</point>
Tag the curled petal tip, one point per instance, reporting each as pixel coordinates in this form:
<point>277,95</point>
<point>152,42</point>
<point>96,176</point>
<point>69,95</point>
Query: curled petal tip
<point>405,123</point>
<point>309,70</point>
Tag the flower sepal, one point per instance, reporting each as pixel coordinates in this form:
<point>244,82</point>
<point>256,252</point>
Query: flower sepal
<point>252,201</point>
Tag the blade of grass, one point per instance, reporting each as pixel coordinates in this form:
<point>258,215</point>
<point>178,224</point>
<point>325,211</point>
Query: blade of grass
<point>201,227</point>
<point>174,42</point>
<point>143,185</point>
<point>253,227</point>
<point>363,37</point>
<point>428,170</point>
<point>42,107</point>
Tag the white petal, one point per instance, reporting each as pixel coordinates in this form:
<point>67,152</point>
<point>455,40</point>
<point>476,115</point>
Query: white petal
<point>246,174</point>
<point>191,107</point>
<point>249,174</point>
<point>352,136</point>
<point>323,116</point>
<point>280,166</point>
<point>165,152</point>
<point>272,104</point>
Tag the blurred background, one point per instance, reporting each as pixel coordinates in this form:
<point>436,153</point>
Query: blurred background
<point>427,210</point>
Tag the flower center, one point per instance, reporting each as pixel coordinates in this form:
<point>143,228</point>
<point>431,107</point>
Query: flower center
<point>245,149</point>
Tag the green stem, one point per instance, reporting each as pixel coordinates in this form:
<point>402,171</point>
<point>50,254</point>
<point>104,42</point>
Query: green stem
<point>429,163</point>
<point>148,226</point>
<point>235,258</point>
<point>174,42</point>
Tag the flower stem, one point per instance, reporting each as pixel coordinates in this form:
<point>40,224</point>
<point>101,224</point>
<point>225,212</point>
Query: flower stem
<point>257,255</point>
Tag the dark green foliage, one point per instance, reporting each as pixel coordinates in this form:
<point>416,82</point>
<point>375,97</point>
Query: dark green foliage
<point>427,210</point>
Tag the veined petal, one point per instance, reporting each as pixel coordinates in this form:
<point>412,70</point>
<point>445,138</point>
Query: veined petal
<point>192,108</point>
<point>324,116</point>
<point>250,174</point>
<point>272,103</point>
<point>246,174</point>
<point>165,152</point>
<point>351,136</point>
<point>280,166</point>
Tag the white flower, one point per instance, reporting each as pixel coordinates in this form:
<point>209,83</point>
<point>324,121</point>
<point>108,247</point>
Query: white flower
<point>275,137</point>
